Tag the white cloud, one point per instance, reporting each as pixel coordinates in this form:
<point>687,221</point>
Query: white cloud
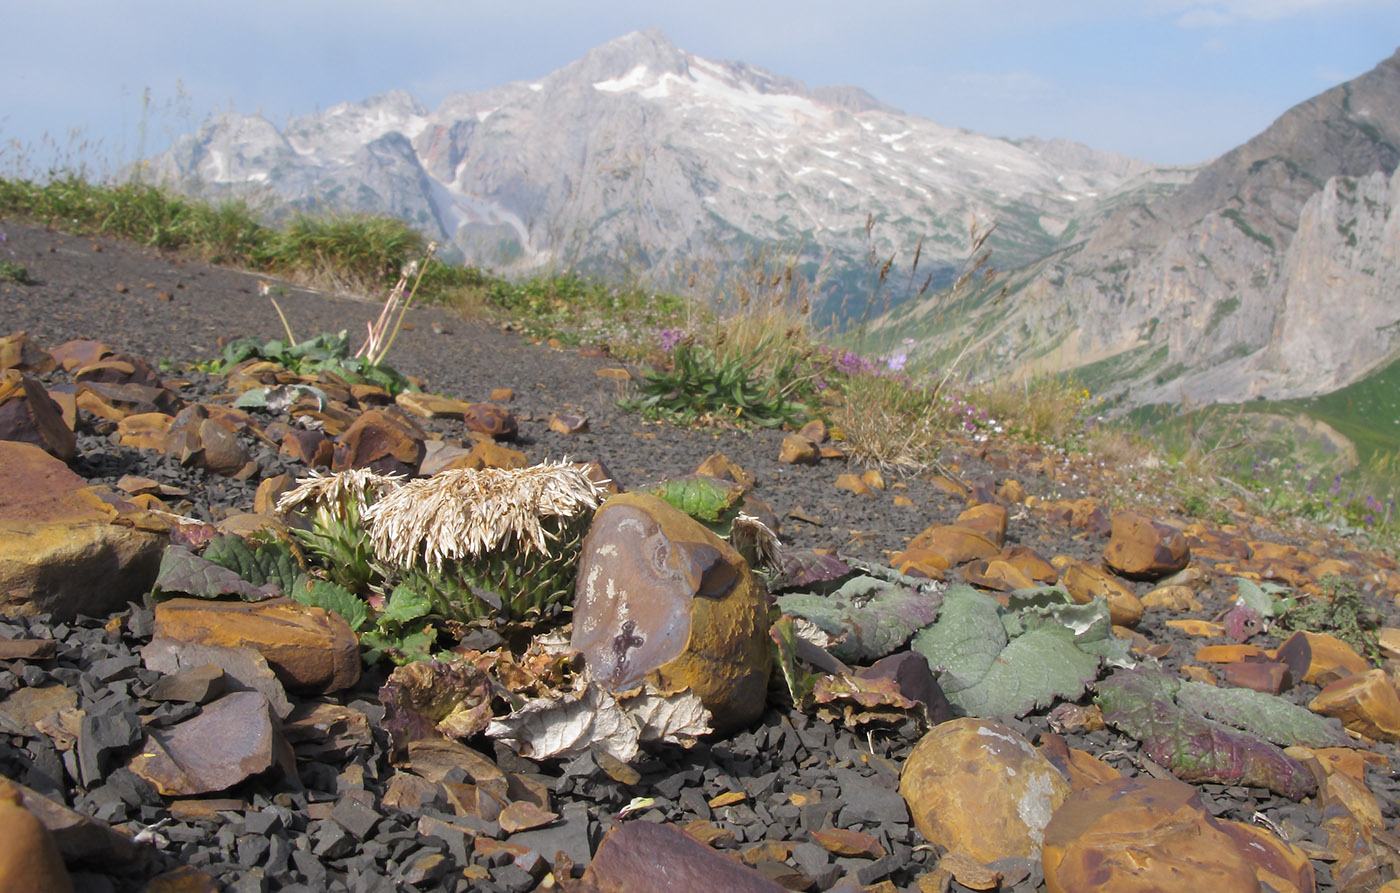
<point>1204,18</point>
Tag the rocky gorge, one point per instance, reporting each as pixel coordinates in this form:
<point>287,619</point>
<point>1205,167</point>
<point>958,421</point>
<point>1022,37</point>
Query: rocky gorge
<point>1007,676</point>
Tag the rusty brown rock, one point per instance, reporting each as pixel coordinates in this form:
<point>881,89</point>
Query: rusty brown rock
<point>145,430</point>
<point>20,352</point>
<point>1321,658</point>
<point>980,788</point>
<point>29,415</point>
<point>115,402</point>
<point>311,448</point>
<point>244,669</point>
<point>945,546</point>
<point>1029,562</point>
<point>853,484</point>
<point>815,431</point>
<point>57,535</point>
<point>1365,703</point>
<point>646,856</point>
<point>230,740</point>
<point>1084,583</point>
<point>661,598</point>
<point>844,842</point>
<point>119,368</point>
<point>997,574</point>
<point>431,406</point>
<point>1142,548</point>
<point>310,649</point>
<point>1269,676</point>
<point>491,419</point>
<point>568,423</point>
<point>197,440</point>
<point>798,450</point>
<point>382,441</point>
<point>988,519</point>
<point>78,353</point>
<point>1172,598</point>
<point>269,491</point>
<point>24,707</point>
<point>483,454</point>
<point>1142,834</point>
<point>29,858</point>
<point>718,465</point>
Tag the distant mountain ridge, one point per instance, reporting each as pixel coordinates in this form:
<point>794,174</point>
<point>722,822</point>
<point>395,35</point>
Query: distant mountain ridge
<point>642,154</point>
<point>1270,271</point>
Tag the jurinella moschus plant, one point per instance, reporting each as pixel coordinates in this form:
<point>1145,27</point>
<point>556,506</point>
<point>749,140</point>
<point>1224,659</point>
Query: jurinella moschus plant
<point>336,505</point>
<point>490,542</point>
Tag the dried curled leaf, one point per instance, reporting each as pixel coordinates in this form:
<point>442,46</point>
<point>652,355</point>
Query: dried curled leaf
<point>596,719</point>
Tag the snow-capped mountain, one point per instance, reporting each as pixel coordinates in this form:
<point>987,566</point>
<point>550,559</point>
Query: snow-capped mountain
<point>641,154</point>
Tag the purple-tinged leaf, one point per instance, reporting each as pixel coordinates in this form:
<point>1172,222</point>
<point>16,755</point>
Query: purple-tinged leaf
<point>183,571</point>
<point>1142,703</point>
<point>804,569</point>
<point>432,699</point>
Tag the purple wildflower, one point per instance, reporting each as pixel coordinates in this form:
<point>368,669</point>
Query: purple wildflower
<point>670,338</point>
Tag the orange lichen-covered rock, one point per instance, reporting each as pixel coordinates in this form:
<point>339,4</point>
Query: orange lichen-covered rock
<point>1139,835</point>
<point>1084,582</point>
<point>310,649</point>
<point>988,519</point>
<point>1144,549</point>
<point>947,546</point>
<point>980,788</point>
<point>1321,658</point>
<point>660,597</point>
<point>58,536</point>
<point>29,858</point>
<point>1365,703</point>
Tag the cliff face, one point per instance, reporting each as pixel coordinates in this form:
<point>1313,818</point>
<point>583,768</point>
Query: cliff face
<point>1271,272</point>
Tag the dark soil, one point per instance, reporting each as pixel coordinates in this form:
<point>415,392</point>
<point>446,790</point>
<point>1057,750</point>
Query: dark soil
<point>165,307</point>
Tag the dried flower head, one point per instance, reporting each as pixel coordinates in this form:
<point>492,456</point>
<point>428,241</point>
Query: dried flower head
<point>467,512</point>
<point>747,532</point>
<point>358,486</point>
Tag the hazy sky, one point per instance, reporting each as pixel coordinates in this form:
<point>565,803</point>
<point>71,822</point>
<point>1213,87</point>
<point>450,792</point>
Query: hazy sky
<point>1172,81</point>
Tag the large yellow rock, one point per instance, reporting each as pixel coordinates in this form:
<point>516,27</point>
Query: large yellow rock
<point>1144,549</point>
<point>660,598</point>
<point>310,649</point>
<point>59,538</point>
<point>1365,703</point>
<point>29,858</point>
<point>1143,835</point>
<point>979,788</point>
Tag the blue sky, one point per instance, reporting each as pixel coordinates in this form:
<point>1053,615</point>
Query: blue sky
<point>1171,81</point>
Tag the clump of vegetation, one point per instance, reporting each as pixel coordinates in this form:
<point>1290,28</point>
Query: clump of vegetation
<point>14,272</point>
<point>1339,611</point>
<point>350,251</point>
<point>702,386</point>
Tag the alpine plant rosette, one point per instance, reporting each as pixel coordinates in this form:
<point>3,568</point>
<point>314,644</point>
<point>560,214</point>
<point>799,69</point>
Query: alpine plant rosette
<point>489,542</point>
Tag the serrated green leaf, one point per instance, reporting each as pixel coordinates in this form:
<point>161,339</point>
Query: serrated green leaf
<point>332,597</point>
<point>998,663</point>
<point>965,641</point>
<point>1268,716</point>
<point>702,497</point>
<point>1263,598</point>
<point>406,603</point>
<point>267,563</point>
<point>875,616</point>
<point>1032,671</point>
<point>183,571</point>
